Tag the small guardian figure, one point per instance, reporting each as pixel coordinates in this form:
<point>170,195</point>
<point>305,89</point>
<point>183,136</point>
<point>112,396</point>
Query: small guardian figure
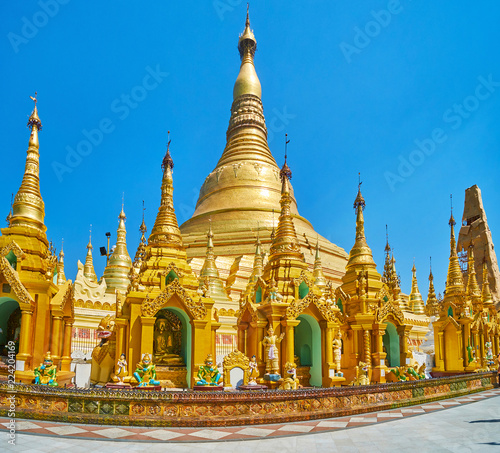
<point>145,373</point>
<point>46,373</point>
<point>208,374</point>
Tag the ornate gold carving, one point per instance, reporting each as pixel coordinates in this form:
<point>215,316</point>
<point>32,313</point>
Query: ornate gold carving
<point>151,307</point>
<point>13,280</point>
<point>388,307</point>
<point>171,267</point>
<point>235,359</point>
<point>12,246</point>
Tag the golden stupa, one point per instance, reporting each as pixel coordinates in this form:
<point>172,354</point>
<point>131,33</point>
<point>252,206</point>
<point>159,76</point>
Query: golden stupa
<point>242,192</point>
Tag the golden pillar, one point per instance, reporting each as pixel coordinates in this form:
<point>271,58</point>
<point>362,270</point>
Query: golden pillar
<point>404,332</point>
<point>24,337</point>
<point>120,327</point>
<point>56,339</point>
<point>329,327</point>
<point>242,327</point>
<point>147,324</point>
<point>66,354</point>
<point>252,340</point>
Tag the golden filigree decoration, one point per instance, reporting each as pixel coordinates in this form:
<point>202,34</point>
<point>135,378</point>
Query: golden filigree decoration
<point>388,306</point>
<point>14,247</point>
<point>13,280</point>
<point>235,359</point>
<point>171,267</point>
<point>295,309</point>
<point>197,309</point>
<point>251,309</point>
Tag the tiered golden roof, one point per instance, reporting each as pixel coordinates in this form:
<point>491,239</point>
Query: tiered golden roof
<point>61,277</point>
<point>473,292</point>
<point>454,281</point>
<point>417,305</point>
<point>245,187</point>
<point>486,293</point>
<point>88,268</point>
<point>431,307</point>
<point>118,268</point>
<point>28,209</point>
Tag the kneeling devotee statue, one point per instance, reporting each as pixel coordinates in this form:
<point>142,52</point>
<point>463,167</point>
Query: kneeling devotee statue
<point>45,374</point>
<point>145,373</point>
<point>208,374</point>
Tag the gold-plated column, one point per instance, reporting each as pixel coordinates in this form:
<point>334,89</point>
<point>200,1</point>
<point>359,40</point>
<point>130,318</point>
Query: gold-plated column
<point>56,339</point>
<point>66,354</point>
<point>24,337</point>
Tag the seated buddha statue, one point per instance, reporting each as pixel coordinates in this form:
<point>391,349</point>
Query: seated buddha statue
<point>167,343</point>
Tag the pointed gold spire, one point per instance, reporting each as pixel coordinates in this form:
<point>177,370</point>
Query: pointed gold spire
<point>165,232</point>
<point>61,277</point>
<point>389,264</point>
<point>88,268</point>
<point>285,244</point>
<point>473,291</point>
<point>417,305</point>
<point>28,209</point>
<point>454,281</point>
<point>320,280</point>
<point>360,253</point>
<point>9,215</point>
<point>486,293</point>
<point>431,307</point>
<point>247,81</point>
<point>210,272</point>
<point>141,249</point>
<point>209,268</point>
<point>118,268</point>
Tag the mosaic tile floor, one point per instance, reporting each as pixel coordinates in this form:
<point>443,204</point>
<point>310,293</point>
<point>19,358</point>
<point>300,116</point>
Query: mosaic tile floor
<point>178,435</point>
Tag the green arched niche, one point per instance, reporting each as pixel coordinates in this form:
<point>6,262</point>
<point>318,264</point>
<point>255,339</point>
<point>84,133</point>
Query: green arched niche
<point>391,344</point>
<point>258,295</point>
<point>12,259</point>
<point>186,348</point>
<point>7,307</point>
<point>307,346</point>
<point>303,290</point>
<point>171,276</point>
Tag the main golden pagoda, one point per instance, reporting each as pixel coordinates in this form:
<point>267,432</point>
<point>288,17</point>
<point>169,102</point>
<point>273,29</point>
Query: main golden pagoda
<point>242,192</point>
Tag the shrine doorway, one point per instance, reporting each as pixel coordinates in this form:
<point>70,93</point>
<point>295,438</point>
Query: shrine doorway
<point>173,340</point>
<point>10,323</point>
<point>391,345</point>
<point>307,346</point>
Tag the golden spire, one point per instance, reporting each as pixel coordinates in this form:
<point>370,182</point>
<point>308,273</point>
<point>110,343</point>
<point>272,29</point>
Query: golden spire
<point>320,280</point>
<point>9,215</point>
<point>486,293</point>
<point>119,264</point>
<point>209,268</point>
<point>473,292</point>
<point>28,209</point>
<point>165,232</point>
<point>247,81</point>
<point>416,302</point>
<point>141,249</point>
<point>390,263</point>
<point>432,302</point>
<point>285,243</point>
<point>258,261</point>
<point>454,281</point>
<point>360,253</point>
<point>88,268</point>
<point>61,277</point>
<point>210,272</point>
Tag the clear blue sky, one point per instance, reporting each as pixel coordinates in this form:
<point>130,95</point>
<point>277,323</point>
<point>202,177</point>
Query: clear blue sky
<point>351,99</point>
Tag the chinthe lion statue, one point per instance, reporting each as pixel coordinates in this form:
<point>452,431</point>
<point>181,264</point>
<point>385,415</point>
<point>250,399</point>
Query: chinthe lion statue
<point>104,354</point>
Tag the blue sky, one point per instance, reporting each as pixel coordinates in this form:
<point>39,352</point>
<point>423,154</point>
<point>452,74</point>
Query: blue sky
<point>356,86</point>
